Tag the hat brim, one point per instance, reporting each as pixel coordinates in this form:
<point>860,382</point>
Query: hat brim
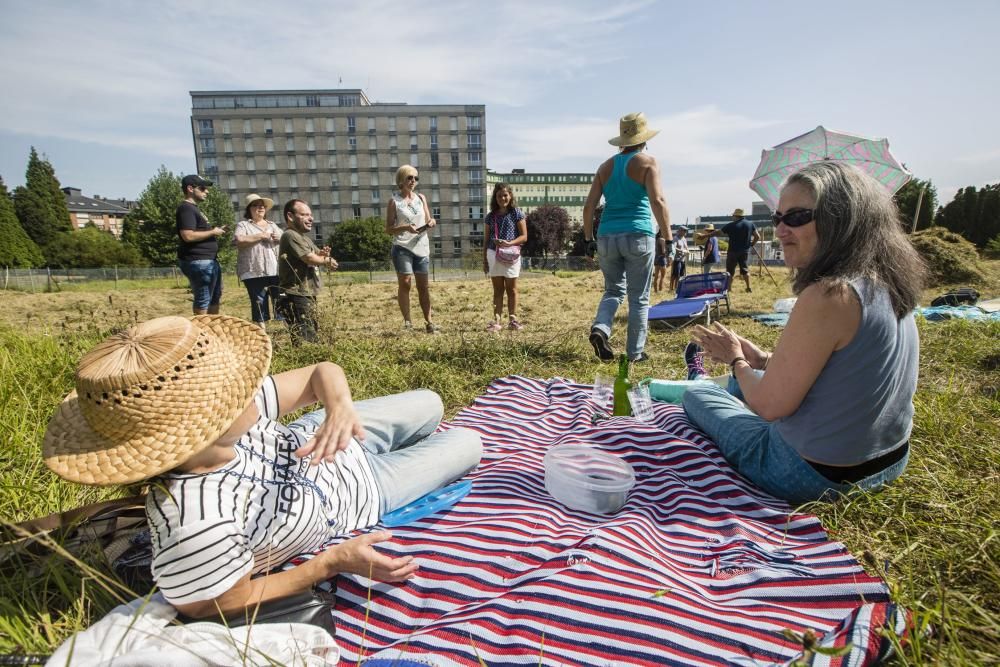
<point>269,203</point>
<point>640,138</point>
<point>191,415</point>
<point>702,235</point>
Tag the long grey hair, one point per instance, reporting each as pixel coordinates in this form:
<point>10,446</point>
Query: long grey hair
<point>859,235</point>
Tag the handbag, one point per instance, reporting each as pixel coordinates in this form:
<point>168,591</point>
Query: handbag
<point>507,254</point>
<point>313,606</point>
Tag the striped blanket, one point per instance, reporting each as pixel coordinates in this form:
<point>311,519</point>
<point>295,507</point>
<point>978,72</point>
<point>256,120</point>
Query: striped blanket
<point>698,568</point>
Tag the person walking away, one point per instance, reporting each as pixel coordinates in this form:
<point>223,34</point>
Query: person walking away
<point>742,237</point>
<point>661,261</point>
<point>710,248</point>
<point>256,240</point>
<point>677,270</point>
<point>408,219</point>
<point>505,228</point>
<point>633,196</point>
<point>198,247</point>
<point>299,261</point>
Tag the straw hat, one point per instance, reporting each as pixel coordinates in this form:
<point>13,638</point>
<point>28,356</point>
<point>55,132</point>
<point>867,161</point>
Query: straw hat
<point>269,203</point>
<point>738,213</point>
<point>702,234</point>
<point>149,398</point>
<point>632,130</point>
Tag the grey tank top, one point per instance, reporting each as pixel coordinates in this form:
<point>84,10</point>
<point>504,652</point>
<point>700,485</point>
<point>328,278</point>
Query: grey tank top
<point>861,405</point>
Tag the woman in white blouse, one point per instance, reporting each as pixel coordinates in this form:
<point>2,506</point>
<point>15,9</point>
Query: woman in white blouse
<point>256,240</point>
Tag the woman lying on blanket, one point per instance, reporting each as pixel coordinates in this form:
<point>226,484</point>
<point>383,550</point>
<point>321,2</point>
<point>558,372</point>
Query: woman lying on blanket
<point>188,404</point>
<point>832,406</point>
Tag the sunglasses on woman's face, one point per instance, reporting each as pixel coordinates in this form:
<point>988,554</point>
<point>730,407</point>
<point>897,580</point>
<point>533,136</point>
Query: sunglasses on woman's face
<point>413,178</point>
<point>794,218</point>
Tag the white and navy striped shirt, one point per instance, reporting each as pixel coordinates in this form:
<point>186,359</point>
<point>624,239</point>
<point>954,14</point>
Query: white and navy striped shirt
<point>256,512</point>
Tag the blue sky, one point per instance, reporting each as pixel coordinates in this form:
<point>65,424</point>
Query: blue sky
<point>101,88</point>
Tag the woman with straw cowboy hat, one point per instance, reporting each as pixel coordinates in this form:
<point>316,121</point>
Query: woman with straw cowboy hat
<point>633,197</point>
<point>256,240</point>
<point>189,405</point>
<point>710,247</point>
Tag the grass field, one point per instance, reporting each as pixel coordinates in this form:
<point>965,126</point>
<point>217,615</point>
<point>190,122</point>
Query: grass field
<point>934,535</point>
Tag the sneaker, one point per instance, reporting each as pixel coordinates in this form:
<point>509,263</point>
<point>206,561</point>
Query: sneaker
<point>514,325</point>
<point>749,290</point>
<point>693,357</point>
<point>407,326</point>
<point>641,357</point>
<point>432,328</point>
<point>494,326</point>
<point>602,349</point>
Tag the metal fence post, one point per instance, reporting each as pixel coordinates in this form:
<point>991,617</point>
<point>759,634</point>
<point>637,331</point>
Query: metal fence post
<point>116,276</point>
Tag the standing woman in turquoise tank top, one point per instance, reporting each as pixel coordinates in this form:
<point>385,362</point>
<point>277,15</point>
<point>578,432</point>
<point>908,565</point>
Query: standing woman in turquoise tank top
<point>831,408</point>
<point>626,243</point>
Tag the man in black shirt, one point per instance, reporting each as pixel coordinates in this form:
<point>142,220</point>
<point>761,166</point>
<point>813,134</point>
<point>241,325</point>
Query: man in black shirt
<point>743,235</point>
<point>198,247</point>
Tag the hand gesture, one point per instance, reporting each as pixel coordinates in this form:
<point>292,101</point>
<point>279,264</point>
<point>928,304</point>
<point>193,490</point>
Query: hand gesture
<point>334,434</point>
<point>358,556</point>
<point>218,231</point>
<point>432,223</point>
<point>325,251</point>
<point>719,343</point>
<point>413,229</point>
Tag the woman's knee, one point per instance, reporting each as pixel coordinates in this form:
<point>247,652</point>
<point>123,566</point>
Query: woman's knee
<point>467,449</point>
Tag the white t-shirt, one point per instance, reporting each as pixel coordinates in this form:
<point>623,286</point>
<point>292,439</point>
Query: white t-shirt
<point>681,247</point>
<point>412,213</point>
<point>267,505</point>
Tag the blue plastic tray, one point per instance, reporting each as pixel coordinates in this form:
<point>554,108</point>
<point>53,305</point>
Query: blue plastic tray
<point>440,499</point>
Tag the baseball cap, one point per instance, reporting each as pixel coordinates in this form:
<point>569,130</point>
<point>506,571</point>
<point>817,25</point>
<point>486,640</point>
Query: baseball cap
<point>195,180</point>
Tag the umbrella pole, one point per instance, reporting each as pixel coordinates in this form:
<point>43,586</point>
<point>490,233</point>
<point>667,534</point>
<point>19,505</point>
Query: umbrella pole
<point>762,265</point>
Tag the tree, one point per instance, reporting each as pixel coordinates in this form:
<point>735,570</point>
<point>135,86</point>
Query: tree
<point>548,231</point>
<point>578,246</point>
<point>360,241</point>
<point>974,214</point>
<point>40,203</point>
<point>906,201</point>
<point>16,247</point>
<point>152,225</point>
<point>91,247</point>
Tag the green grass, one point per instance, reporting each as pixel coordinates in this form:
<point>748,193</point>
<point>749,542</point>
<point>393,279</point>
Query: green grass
<point>933,534</point>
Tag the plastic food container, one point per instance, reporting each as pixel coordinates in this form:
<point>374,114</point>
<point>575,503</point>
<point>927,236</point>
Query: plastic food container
<point>584,478</point>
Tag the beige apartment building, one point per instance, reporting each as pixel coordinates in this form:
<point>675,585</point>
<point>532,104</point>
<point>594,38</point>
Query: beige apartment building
<point>339,151</point>
<point>532,190</point>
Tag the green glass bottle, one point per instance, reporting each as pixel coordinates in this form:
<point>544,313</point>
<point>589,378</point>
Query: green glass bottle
<point>622,384</point>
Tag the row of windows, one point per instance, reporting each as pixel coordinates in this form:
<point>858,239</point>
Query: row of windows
<point>357,210</point>
<point>207,126</point>
<point>209,145</point>
<point>516,179</point>
<point>330,162</point>
<point>471,194</point>
<point>275,101</point>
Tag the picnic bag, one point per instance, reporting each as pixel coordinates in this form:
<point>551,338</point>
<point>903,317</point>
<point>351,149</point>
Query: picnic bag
<point>507,254</point>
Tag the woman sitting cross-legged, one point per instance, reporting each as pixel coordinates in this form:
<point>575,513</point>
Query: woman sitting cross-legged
<point>832,407</point>
<point>188,405</point>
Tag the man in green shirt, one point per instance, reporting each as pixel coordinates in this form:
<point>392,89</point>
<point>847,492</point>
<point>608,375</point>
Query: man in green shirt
<point>299,261</point>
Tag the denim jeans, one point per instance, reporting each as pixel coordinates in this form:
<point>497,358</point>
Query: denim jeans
<point>408,459</point>
<point>757,451</point>
<point>406,263</point>
<point>205,278</point>
<point>627,264</point>
<point>260,301</point>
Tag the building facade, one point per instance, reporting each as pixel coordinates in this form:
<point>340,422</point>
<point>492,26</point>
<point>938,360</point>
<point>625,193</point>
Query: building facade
<point>534,189</point>
<point>107,215</point>
<point>339,151</point>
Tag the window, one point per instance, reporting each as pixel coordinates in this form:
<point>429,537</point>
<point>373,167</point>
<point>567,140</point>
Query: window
<point>376,197</point>
<point>435,178</point>
<point>372,144</point>
<point>230,164</point>
<point>392,142</point>
<point>434,161</point>
<point>475,157</point>
<point>374,179</point>
<point>454,143</point>
<point>393,161</point>
<point>352,143</point>
<point>331,162</point>
<point>475,140</point>
<point>247,129</point>
<point>475,176</point>
<point>413,142</point>
<point>371,124</point>
<point>253,181</point>
<point>356,210</point>
<point>454,196</point>
<point>435,195</point>
<point>312,101</point>
<point>226,127</point>
<point>457,245</point>
<point>474,122</point>
<point>475,212</point>
<point>251,164</point>
<point>436,213</point>
<point>329,125</point>
<point>413,123</point>
<point>312,162</point>
<point>207,144</point>
<point>205,126</point>
<point>354,162</point>
<point>453,123</point>
<point>354,180</point>
<point>373,163</point>
<point>227,145</point>
<point>392,123</point>
<point>248,145</point>
<point>289,144</point>
<point>414,159</point>
<point>434,123</point>
<point>232,183</point>
<point>336,215</point>
<point>317,230</point>
<point>293,180</point>
<point>268,126</point>
<point>269,145</point>
<point>310,144</point>
<point>454,178</point>
<point>292,166</point>
<point>351,124</point>
<point>288,126</point>
<point>436,245</point>
<point>313,181</point>
<point>434,142</point>
<point>310,126</point>
<point>211,165</point>
<point>336,198</point>
<point>273,181</point>
<point>355,197</point>
<point>331,144</point>
<point>454,160</point>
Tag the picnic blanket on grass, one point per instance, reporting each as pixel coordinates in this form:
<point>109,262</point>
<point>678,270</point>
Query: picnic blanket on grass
<point>698,568</point>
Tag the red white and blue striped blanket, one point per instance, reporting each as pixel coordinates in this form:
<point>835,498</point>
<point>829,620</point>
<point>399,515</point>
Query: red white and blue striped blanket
<point>698,568</point>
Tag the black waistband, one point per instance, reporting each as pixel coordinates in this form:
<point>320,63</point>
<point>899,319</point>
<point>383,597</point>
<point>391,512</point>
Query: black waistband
<point>848,474</point>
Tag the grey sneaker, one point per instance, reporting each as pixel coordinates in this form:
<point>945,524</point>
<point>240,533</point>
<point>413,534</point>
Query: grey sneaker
<point>432,328</point>
<point>693,357</point>
<point>407,326</point>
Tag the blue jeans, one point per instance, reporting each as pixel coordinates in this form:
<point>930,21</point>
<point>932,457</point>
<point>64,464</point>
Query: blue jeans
<point>627,264</point>
<point>409,460</point>
<point>406,263</point>
<point>205,278</point>
<point>260,296</point>
<point>757,451</point>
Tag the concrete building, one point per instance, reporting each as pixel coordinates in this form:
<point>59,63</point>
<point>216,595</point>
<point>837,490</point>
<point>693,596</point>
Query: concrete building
<point>532,190</point>
<point>339,151</point>
<point>106,214</point>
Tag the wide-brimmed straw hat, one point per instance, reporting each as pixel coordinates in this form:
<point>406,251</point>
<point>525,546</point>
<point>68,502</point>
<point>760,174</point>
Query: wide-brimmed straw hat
<point>702,234</point>
<point>149,398</point>
<point>737,213</point>
<point>632,130</point>
<point>269,203</point>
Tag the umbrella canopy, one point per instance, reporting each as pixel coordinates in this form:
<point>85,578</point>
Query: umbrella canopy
<point>869,155</point>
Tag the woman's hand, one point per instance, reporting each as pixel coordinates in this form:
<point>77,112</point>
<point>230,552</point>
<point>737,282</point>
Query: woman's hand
<point>432,223</point>
<point>486,266</point>
<point>413,229</point>
<point>502,243</point>
<point>335,433</point>
<point>358,556</point>
<point>719,343</point>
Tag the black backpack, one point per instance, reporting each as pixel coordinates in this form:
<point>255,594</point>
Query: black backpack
<point>963,296</point>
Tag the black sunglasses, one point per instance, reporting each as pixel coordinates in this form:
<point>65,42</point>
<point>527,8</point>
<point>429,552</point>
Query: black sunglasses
<point>794,218</point>
<point>413,178</point>
<point>201,187</point>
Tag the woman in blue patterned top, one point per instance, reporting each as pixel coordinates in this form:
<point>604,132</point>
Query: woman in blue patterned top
<point>505,228</point>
